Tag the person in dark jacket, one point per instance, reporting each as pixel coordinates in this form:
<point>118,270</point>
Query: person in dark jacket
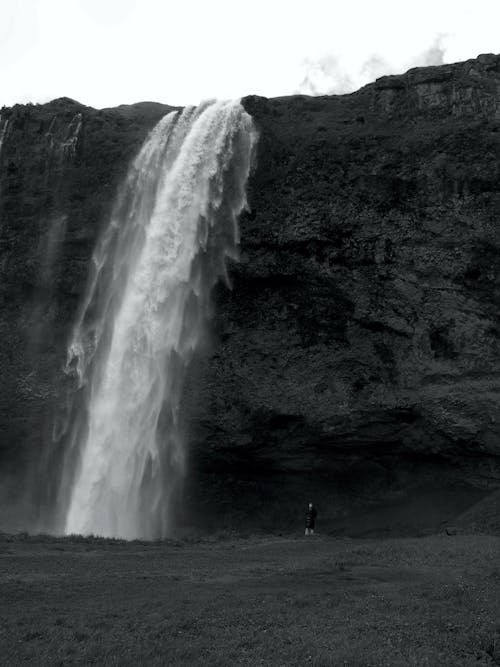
<point>311,514</point>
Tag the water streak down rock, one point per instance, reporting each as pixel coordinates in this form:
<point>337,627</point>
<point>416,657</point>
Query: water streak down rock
<point>143,316</point>
<point>4,128</point>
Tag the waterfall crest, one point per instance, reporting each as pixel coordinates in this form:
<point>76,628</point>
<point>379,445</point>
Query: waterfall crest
<point>143,317</point>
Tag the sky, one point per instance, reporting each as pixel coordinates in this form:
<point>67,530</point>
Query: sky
<point>109,52</point>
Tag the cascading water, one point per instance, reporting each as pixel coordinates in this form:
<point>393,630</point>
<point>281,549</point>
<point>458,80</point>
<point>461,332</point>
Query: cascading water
<point>4,128</point>
<point>143,316</point>
<point>61,140</point>
<point>68,146</point>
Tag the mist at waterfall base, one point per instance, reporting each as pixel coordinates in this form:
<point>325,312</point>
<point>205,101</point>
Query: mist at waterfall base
<point>119,445</point>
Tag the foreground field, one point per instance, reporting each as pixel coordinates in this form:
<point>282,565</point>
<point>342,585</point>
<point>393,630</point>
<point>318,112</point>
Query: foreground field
<point>257,601</point>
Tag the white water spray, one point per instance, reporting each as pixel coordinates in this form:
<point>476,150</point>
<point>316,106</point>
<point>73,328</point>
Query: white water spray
<point>68,146</point>
<point>143,316</point>
<point>4,128</point>
<point>61,140</point>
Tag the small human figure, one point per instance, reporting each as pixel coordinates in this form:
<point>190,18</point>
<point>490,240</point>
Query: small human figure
<point>311,514</point>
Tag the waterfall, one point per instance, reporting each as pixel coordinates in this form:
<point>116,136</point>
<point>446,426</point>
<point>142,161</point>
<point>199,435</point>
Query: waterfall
<point>68,146</point>
<point>143,317</point>
<point>61,140</point>
<point>61,152</point>
<point>4,128</point>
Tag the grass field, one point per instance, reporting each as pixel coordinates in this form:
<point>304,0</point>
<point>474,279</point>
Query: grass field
<point>255,601</point>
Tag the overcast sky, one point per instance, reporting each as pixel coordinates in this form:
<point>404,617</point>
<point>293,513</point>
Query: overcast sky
<point>107,52</point>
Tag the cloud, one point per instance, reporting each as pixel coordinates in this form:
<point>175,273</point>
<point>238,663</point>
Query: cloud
<point>324,76</point>
<point>434,55</point>
<point>330,75</point>
<point>374,67</point>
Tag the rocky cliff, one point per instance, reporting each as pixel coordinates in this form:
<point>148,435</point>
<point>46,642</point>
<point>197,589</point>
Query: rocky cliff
<point>60,166</point>
<point>357,355</point>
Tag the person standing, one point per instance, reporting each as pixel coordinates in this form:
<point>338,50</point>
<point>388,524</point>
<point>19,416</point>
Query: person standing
<point>311,514</point>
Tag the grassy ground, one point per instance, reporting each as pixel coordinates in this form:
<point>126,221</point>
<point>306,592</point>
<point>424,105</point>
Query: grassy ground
<point>257,601</point>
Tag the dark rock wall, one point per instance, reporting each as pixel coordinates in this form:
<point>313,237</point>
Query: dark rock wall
<point>359,348</point>
<point>358,351</point>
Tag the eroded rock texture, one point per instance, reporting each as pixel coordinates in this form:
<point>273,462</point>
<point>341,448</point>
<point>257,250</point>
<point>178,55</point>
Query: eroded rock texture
<point>358,352</point>
<point>359,347</point>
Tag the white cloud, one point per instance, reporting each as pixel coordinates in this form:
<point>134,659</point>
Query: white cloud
<point>325,76</point>
<point>434,55</point>
<point>330,75</point>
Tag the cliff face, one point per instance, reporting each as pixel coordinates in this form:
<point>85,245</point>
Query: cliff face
<point>60,166</point>
<point>358,351</point>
